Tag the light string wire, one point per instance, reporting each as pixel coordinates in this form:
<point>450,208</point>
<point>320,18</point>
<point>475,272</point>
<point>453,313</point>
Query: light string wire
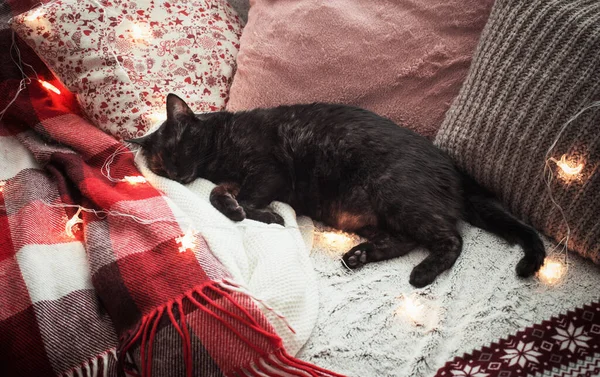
<point>147,119</point>
<point>105,169</point>
<point>15,55</point>
<point>548,176</point>
<point>19,63</point>
<point>103,214</point>
<point>24,79</point>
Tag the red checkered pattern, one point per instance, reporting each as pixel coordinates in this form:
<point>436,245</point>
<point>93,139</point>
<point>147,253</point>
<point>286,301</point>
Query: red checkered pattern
<point>116,294</point>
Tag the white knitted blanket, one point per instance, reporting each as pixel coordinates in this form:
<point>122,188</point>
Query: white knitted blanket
<point>271,261</point>
<point>366,329</point>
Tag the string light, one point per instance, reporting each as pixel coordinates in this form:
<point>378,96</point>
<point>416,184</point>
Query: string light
<point>139,32</point>
<point>159,116</point>
<point>411,309</point>
<point>131,179</point>
<point>420,311</point>
<point>187,241</point>
<point>49,86</point>
<point>2,184</point>
<point>72,222</point>
<point>552,271</point>
<point>134,179</point>
<point>35,15</point>
<point>567,169</point>
<point>338,241</point>
<point>554,268</point>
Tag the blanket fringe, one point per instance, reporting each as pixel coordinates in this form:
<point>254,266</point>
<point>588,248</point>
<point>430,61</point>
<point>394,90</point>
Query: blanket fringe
<point>278,364</point>
<point>102,365</point>
<point>283,365</point>
<point>232,286</point>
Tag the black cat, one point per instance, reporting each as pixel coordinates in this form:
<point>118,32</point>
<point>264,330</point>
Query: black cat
<point>344,166</point>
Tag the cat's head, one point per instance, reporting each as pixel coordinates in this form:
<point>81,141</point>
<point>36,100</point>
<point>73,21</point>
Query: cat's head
<point>174,150</point>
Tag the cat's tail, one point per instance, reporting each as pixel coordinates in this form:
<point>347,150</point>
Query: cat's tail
<point>484,211</point>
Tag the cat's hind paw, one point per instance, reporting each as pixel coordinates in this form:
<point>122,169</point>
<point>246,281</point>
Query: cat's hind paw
<point>235,213</point>
<point>357,256</point>
<point>275,219</point>
<point>528,266</point>
<point>264,216</point>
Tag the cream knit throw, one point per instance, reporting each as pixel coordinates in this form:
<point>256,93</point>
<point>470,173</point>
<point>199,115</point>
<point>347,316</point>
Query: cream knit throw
<point>270,261</point>
<point>536,66</point>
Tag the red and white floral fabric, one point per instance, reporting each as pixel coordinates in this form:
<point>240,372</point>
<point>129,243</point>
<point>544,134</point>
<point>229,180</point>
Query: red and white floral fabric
<point>123,57</point>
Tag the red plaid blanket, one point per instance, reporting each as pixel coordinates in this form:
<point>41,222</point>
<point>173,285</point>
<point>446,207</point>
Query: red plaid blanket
<point>96,276</point>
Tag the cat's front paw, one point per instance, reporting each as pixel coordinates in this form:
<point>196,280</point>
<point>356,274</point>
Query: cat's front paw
<point>227,205</point>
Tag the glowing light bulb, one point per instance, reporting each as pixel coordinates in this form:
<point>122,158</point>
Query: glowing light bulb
<point>567,168</point>
<point>134,179</point>
<point>34,16</point>
<point>187,241</point>
<point>139,31</point>
<point>411,308</point>
<point>337,240</point>
<point>552,271</point>
<point>2,184</point>
<point>159,116</point>
<point>72,222</point>
<point>49,86</point>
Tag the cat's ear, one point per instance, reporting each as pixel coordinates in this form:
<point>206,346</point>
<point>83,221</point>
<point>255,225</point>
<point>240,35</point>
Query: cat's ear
<point>176,107</point>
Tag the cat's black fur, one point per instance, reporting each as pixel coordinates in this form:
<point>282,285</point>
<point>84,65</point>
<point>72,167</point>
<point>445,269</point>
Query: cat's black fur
<point>342,165</point>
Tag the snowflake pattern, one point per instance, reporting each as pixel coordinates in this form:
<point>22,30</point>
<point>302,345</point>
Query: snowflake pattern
<point>521,354</point>
<point>571,338</point>
<point>566,345</point>
<point>123,57</point>
<point>469,371</point>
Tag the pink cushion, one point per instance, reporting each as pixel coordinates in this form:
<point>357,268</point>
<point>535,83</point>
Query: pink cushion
<point>121,58</point>
<point>402,59</point>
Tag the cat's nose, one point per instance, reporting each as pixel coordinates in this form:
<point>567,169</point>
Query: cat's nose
<point>174,176</point>
<point>181,178</point>
<point>187,179</point>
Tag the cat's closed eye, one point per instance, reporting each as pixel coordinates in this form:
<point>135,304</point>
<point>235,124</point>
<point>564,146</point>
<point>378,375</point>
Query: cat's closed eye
<point>156,164</point>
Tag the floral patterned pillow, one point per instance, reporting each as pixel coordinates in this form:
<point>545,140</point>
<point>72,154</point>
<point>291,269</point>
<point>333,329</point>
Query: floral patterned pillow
<point>122,58</point>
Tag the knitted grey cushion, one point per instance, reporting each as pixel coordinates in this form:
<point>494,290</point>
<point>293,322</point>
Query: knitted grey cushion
<point>536,66</point>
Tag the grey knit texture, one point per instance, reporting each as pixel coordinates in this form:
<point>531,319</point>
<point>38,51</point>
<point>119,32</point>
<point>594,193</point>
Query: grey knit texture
<point>536,66</point>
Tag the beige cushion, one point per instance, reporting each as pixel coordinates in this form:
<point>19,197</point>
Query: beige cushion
<point>121,59</point>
